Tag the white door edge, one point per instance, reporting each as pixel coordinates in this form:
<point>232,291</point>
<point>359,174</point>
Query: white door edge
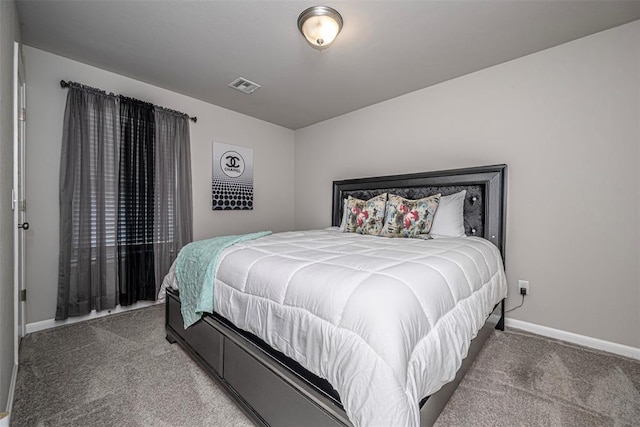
<point>18,178</point>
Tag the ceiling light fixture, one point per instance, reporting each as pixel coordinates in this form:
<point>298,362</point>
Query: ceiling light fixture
<point>320,25</point>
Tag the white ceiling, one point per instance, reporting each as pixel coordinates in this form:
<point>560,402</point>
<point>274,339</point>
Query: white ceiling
<point>386,48</point>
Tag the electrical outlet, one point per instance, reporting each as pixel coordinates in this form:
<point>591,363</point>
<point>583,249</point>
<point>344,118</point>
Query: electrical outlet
<point>523,285</point>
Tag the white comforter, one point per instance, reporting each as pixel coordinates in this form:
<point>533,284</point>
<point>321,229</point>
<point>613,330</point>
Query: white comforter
<point>385,321</point>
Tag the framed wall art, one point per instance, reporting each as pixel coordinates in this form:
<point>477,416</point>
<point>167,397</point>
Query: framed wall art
<point>232,177</point>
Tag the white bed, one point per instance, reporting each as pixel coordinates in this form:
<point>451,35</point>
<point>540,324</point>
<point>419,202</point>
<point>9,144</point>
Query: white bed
<point>386,321</point>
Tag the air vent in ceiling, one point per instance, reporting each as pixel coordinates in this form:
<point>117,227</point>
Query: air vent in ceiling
<point>244,85</point>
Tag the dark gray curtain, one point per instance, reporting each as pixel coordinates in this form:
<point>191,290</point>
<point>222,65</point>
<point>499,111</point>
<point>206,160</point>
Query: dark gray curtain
<point>173,212</point>
<point>88,199</point>
<point>136,202</point>
<point>125,200</point>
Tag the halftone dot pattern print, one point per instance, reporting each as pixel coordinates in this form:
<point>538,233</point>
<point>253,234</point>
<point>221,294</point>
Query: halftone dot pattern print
<point>231,195</point>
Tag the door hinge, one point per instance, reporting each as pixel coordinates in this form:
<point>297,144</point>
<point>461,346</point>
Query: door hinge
<point>22,205</point>
<point>22,115</point>
<point>23,295</point>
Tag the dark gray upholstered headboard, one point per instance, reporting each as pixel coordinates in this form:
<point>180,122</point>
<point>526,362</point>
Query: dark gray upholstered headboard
<point>484,205</point>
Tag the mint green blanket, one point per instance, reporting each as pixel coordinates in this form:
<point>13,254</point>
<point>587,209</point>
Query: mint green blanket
<point>195,270</point>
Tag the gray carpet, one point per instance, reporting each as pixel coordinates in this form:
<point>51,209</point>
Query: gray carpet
<point>116,371</point>
<point>521,379</point>
<point>120,371</point>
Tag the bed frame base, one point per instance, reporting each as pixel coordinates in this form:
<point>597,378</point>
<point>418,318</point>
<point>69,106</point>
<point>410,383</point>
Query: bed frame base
<point>270,392</point>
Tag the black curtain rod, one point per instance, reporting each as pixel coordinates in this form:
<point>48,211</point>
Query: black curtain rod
<point>65,85</point>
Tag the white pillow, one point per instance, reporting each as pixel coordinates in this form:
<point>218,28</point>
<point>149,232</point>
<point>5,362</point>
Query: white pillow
<point>343,223</point>
<point>449,219</point>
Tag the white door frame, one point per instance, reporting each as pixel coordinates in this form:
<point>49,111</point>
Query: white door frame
<point>18,202</point>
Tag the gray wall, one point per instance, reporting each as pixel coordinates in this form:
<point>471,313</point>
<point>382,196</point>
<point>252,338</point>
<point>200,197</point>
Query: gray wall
<point>9,32</point>
<point>273,165</point>
<point>566,121</point>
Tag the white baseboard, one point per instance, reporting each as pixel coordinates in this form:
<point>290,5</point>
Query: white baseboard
<point>52,323</point>
<point>4,422</point>
<point>611,347</point>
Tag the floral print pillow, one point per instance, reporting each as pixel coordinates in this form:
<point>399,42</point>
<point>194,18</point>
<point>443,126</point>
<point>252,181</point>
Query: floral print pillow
<point>409,218</point>
<point>365,217</point>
